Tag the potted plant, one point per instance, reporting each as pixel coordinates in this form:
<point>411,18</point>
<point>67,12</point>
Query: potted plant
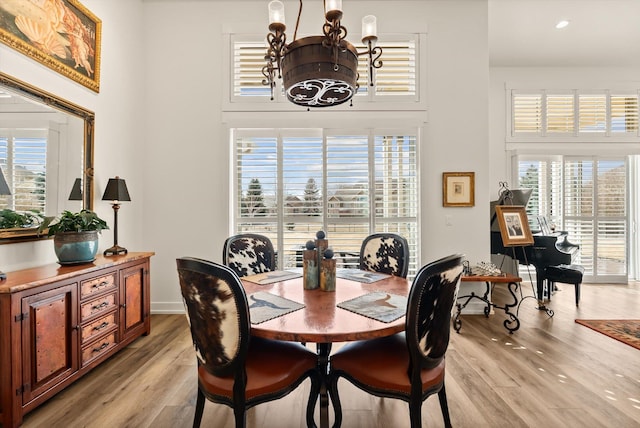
<point>75,235</point>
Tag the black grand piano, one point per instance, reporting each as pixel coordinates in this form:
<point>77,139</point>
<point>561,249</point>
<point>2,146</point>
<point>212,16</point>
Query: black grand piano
<point>550,248</point>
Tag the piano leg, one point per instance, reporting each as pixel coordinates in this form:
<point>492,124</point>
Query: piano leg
<point>540,279</point>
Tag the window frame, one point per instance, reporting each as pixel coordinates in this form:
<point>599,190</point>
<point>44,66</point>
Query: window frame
<point>576,135</point>
<point>373,222</point>
<point>361,102</point>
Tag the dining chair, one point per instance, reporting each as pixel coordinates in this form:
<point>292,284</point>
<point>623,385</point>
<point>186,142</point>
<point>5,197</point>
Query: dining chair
<point>249,254</point>
<point>411,365</point>
<point>235,368</point>
<point>385,253</point>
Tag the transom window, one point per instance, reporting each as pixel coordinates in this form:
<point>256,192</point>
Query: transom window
<point>395,81</point>
<point>571,113</point>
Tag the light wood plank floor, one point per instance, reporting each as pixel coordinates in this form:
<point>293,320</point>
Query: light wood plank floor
<point>550,373</point>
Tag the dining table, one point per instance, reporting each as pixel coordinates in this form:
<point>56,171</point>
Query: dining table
<point>319,319</point>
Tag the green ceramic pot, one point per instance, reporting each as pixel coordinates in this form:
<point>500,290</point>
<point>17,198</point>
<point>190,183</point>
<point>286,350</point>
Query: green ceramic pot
<point>76,247</point>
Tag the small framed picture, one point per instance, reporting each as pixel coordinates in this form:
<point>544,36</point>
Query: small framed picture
<point>458,189</point>
<point>514,225</point>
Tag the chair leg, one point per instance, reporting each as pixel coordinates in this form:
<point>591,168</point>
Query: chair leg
<point>444,406</point>
<point>197,419</point>
<point>335,399</point>
<point>313,399</point>
<point>240,412</point>
<point>577,293</point>
<point>415,412</point>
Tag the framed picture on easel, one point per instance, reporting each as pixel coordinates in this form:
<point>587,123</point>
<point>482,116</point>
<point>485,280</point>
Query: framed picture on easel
<point>514,225</point>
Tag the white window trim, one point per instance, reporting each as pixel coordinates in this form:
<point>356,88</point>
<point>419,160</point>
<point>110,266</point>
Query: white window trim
<point>576,137</point>
<point>360,103</point>
<point>371,219</point>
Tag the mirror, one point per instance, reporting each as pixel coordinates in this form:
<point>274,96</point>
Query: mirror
<point>46,144</point>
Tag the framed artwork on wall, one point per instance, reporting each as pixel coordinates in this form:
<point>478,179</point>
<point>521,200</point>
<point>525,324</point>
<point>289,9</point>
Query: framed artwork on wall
<point>458,189</point>
<point>514,225</point>
<point>61,34</point>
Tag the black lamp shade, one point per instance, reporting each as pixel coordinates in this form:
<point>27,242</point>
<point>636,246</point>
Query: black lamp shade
<point>76,190</point>
<point>116,190</point>
<point>4,187</point>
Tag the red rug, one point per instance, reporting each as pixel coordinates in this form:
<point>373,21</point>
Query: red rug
<point>626,331</point>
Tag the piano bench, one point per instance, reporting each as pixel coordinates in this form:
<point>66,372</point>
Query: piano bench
<point>566,274</point>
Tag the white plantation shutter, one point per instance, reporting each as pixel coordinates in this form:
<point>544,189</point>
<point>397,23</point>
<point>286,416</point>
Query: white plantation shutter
<point>592,113</point>
<point>310,182</point>
<point>624,114</point>
<point>527,113</point>
<point>595,214</point>
<point>348,191</point>
<point>396,78</point>
<point>560,114</point>
<point>603,114</point>
<point>611,217</point>
<point>396,188</point>
<point>544,176</point>
<point>587,198</point>
<point>248,60</point>
<point>23,156</point>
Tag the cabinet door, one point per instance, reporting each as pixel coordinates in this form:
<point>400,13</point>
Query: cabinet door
<point>49,339</point>
<point>134,301</point>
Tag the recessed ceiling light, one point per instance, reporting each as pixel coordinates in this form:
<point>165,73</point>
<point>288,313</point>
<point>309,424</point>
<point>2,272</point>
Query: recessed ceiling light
<point>562,24</point>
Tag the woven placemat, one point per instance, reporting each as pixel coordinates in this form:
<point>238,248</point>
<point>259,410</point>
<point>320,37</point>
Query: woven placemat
<point>272,277</point>
<point>264,306</point>
<point>380,306</point>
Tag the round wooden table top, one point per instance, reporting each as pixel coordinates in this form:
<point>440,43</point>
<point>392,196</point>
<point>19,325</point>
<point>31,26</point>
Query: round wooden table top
<point>321,321</point>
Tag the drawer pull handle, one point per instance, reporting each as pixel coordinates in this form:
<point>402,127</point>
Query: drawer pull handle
<point>100,284</point>
<point>104,345</point>
<point>100,306</point>
<point>101,326</point>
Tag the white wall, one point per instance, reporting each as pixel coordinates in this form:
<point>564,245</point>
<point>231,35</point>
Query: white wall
<point>119,128</point>
<point>187,142</point>
<point>160,126</point>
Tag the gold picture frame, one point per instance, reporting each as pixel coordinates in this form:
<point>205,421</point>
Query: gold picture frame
<point>458,189</point>
<point>514,225</point>
<point>61,34</point>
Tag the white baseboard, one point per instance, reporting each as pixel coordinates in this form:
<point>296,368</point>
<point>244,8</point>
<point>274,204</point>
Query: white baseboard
<point>167,308</point>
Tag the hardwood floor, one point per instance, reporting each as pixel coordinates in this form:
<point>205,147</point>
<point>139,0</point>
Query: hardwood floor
<point>552,372</point>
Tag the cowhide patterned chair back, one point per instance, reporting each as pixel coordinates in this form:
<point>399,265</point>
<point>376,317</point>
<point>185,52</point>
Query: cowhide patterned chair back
<point>234,368</point>
<point>409,366</point>
<point>385,253</point>
<point>249,254</point>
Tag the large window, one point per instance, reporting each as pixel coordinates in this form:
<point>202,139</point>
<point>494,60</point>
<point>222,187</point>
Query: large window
<point>586,197</point>
<point>290,183</point>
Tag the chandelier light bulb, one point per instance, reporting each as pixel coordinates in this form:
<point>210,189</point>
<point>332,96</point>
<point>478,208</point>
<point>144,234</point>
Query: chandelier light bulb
<point>333,9</point>
<point>369,28</point>
<point>276,12</point>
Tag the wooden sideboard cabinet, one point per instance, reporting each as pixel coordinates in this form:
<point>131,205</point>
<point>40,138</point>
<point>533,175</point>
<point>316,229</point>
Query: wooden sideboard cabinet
<point>59,322</point>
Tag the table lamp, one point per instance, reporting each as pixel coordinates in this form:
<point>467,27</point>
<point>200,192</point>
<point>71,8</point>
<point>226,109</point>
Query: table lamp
<point>116,192</point>
<point>4,190</point>
<point>76,190</point>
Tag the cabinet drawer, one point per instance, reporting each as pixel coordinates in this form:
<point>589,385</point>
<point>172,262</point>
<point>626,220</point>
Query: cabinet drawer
<point>98,326</point>
<point>97,348</point>
<point>97,306</point>
<point>98,285</point>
